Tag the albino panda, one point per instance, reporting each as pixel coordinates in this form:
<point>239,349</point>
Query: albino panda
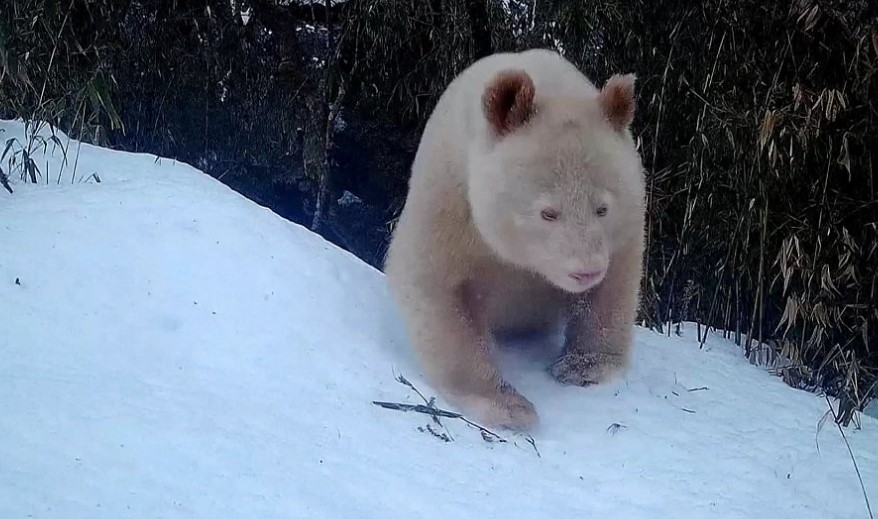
<point>525,212</point>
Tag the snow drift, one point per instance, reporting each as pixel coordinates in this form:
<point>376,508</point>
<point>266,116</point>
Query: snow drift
<point>171,349</point>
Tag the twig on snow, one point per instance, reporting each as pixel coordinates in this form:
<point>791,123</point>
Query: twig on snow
<point>430,403</point>
<point>418,408</point>
<point>533,444</point>
<point>442,436</point>
<point>429,408</point>
<point>435,411</point>
<point>614,428</point>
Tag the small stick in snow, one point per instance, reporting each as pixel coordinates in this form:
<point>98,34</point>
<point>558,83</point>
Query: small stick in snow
<point>404,381</point>
<point>430,403</point>
<point>487,438</point>
<point>531,441</point>
<point>435,411</point>
<point>484,430</point>
<point>442,436</point>
<point>614,428</point>
<point>418,408</point>
<point>694,389</point>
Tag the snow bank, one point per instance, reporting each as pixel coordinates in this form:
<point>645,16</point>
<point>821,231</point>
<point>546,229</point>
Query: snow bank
<point>171,349</point>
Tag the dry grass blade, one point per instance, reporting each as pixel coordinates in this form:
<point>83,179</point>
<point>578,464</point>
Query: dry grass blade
<point>853,458</point>
<point>4,181</point>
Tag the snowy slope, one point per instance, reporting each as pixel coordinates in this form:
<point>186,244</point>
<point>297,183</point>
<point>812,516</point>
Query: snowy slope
<point>171,349</point>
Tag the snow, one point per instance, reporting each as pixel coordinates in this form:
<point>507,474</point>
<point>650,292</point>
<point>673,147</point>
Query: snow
<point>171,349</point>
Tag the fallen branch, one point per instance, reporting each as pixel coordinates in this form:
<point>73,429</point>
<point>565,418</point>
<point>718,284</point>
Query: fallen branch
<point>430,403</point>
<point>418,408</point>
<point>429,408</point>
<point>435,411</point>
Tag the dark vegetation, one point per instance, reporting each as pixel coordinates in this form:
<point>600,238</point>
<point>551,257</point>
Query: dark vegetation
<point>757,121</point>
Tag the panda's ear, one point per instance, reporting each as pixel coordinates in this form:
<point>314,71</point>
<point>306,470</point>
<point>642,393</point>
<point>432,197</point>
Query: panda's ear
<point>508,101</point>
<point>617,100</point>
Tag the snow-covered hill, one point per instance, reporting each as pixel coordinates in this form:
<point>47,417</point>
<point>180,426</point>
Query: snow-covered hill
<point>171,349</point>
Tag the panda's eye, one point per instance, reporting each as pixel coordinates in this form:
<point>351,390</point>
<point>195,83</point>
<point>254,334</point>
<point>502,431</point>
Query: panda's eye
<point>549,214</point>
<point>601,210</point>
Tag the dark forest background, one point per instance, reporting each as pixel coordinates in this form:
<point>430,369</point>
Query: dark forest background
<point>757,122</point>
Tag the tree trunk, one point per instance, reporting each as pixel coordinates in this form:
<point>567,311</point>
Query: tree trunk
<point>479,25</point>
<point>328,113</point>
